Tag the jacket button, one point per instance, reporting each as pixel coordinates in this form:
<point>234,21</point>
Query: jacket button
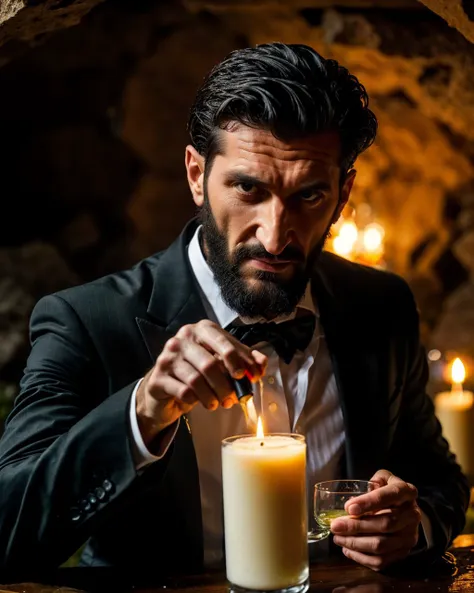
<point>76,514</point>
<point>107,485</point>
<point>85,505</point>
<point>93,499</point>
<point>100,493</point>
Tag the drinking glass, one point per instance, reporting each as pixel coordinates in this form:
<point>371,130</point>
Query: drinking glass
<point>329,501</point>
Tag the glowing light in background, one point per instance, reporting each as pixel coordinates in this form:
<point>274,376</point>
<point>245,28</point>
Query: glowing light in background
<point>373,237</point>
<point>360,243</point>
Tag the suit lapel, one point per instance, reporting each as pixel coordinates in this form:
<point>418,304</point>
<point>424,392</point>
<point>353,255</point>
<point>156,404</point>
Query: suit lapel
<point>175,299</point>
<point>174,302</point>
<point>356,360</point>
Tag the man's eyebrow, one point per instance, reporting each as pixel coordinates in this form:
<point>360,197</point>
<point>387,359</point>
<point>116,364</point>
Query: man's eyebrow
<point>314,186</point>
<point>240,177</point>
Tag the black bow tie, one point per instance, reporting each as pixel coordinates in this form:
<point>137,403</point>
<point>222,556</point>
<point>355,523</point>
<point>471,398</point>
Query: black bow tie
<point>286,337</point>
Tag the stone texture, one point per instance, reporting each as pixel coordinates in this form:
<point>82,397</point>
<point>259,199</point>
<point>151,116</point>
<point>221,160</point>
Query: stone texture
<point>245,5</point>
<point>464,250</point>
<point>26,274</point>
<point>457,13</point>
<point>455,329</point>
<point>80,171</point>
<point>93,130</point>
<point>155,109</point>
<point>9,8</point>
<point>26,20</point>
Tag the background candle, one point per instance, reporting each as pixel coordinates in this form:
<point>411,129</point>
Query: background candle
<point>455,411</point>
<point>265,511</point>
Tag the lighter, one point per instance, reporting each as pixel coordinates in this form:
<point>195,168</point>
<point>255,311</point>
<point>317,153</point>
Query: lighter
<point>243,389</point>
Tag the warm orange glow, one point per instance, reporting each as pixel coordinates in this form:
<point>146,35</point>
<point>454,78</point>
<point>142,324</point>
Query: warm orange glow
<point>458,372</point>
<point>373,237</point>
<point>260,434</point>
<point>349,232</point>
<point>341,246</point>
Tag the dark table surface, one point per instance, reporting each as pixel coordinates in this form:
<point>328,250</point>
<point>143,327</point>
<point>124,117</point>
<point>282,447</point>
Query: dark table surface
<point>335,576</point>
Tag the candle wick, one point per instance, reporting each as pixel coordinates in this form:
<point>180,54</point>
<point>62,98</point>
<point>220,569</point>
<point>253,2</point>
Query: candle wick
<point>261,444</point>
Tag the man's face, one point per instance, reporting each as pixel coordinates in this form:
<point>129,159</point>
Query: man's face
<point>266,209</point>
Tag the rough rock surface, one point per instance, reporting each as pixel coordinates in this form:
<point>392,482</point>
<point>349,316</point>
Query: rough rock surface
<point>93,130</point>
<point>26,19</point>
<point>457,13</point>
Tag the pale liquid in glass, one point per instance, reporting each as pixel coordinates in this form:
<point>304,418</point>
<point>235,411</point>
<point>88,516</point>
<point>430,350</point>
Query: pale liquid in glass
<point>325,518</point>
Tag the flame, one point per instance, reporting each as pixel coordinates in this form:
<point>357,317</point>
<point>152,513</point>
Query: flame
<point>458,372</point>
<point>260,434</point>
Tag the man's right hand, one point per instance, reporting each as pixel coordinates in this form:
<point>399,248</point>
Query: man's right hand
<point>194,366</point>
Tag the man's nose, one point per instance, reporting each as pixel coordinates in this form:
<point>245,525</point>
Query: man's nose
<point>274,230</point>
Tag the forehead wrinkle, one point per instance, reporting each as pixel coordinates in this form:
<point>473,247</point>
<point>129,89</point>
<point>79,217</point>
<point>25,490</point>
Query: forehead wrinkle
<point>280,173</point>
<point>282,152</point>
<point>279,163</point>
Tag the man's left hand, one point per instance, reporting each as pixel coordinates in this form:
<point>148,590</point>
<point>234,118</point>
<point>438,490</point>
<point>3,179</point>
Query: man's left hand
<point>383,526</point>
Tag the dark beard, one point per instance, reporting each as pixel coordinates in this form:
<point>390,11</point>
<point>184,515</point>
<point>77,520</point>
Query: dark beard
<point>274,296</point>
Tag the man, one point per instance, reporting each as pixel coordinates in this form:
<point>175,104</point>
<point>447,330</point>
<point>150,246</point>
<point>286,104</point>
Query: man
<point>114,439</point>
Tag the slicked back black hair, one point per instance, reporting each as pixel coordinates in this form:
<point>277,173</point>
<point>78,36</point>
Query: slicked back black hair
<point>290,90</point>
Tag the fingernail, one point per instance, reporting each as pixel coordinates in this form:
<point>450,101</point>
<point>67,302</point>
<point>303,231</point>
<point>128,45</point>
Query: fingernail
<point>354,509</point>
<point>255,377</point>
<point>239,374</point>
<point>213,405</point>
<point>338,526</point>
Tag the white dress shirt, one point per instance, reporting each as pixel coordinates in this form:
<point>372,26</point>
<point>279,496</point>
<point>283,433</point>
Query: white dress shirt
<point>298,397</point>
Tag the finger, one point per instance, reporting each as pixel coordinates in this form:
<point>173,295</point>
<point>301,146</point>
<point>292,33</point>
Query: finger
<point>381,477</point>
<point>195,386</point>
<point>236,356</point>
<point>375,563</point>
<point>261,360</point>
<point>376,545</point>
<point>168,355</point>
<point>209,368</point>
<point>387,521</point>
<point>171,392</point>
<point>395,493</point>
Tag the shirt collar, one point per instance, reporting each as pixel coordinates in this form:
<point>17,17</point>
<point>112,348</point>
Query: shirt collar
<point>211,291</point>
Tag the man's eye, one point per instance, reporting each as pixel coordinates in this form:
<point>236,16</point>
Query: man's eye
<point>246,188</point>
<point>312,196</point>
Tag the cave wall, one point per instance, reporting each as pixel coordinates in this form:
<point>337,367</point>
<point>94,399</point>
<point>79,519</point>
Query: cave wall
<point>92,121</point>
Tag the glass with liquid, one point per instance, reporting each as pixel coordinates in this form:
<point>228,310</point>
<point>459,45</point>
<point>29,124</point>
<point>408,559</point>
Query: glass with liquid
<point>329,502</point>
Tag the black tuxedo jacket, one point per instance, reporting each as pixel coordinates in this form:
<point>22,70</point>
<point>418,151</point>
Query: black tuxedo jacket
<point>67,475</point>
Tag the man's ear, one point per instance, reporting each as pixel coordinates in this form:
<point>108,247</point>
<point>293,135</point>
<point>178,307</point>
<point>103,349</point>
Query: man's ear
<point>195,173</point>
<point>345,193</point>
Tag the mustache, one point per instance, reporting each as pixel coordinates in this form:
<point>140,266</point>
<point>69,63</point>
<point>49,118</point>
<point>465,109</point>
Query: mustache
<point>245,252</point>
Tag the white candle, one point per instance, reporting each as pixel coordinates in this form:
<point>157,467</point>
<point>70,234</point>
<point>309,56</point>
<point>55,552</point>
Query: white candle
<point>265,511</point>
<point>455,411</point>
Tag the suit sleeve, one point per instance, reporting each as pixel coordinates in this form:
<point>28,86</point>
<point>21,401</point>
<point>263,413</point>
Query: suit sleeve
<point>66,462</point>
<point>420,454</point>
